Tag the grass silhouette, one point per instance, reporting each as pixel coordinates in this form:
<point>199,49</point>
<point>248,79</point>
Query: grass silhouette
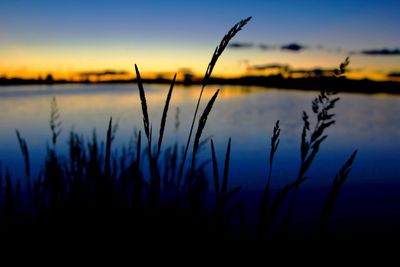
<point>218,52</point>
<point>93,190</point>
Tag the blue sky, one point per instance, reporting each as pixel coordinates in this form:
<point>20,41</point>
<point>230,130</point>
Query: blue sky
<point>75,35</point>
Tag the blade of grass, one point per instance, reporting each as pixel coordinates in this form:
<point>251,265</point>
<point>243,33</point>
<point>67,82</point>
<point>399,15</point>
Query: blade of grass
<point>25,153</point>
<point>108,149</point>
<point>215,169</point>
<point>274,147</point>
<point>164,115</point>
<point>224,187</point>
<point>265,197</point>
<point>147,127</point>
<point>142,95</point>
<point>280,197</point>
<point>138,149</point>
<point>202,124</point>
<point>337,184</point>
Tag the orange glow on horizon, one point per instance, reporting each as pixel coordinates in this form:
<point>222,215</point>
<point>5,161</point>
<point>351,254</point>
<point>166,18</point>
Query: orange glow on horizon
<point>67,62</point>
<point>25,73</point>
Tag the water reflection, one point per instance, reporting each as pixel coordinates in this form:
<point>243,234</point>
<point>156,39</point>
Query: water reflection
<point>246,114</point>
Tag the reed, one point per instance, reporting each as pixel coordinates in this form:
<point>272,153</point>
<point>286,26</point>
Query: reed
<point>221,192</point>
<point>146,123</point>
<point>266,194</point>
<point>164,115</point>
<point>224,187</point>
<point>215,170</point>
<point>55,122</point>
<point>25,153</point>
<point>108,149</point>
<point>201,126</point>
<point>217,53</point>
<point>334,191</point>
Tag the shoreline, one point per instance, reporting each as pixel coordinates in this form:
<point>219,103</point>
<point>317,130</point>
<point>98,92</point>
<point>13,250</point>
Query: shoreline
<point>304,84</point>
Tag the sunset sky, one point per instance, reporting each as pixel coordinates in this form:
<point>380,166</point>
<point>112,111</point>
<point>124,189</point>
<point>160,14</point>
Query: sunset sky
<point>67,37</point>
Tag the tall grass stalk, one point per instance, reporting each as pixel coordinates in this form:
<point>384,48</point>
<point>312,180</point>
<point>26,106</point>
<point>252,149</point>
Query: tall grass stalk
<point>215,171</point>
<point>337,184</point>
<point>142,95</point>
<point>164,115</point>
<point>25,154</point>
<point>217,53</point>
<point>265,197</point>
<point>221,192</point>
<point>200,128</point>
<point>108,149</point>
<point>55,122</point>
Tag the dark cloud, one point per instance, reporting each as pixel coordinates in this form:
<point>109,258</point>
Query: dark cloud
<point>293,47</point>
<point>268,66</point>
<point>384,52</point>
<point>103,73</point>
<point>394,75</point>
<point>241,45</point>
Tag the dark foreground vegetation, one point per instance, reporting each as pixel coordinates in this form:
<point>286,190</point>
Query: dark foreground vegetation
<point>151,192</point>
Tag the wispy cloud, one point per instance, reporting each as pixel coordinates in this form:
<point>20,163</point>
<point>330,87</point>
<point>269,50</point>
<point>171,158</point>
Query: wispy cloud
<point>268,66</point>
<point>241,45</point>
<point>266,47</point>
<point>383,51</point>
<point>103,73</point>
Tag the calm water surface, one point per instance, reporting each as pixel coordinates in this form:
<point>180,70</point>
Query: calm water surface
<point>369,123</point>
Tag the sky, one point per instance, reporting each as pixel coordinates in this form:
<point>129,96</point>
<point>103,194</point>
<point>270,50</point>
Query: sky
<point>72,36</point>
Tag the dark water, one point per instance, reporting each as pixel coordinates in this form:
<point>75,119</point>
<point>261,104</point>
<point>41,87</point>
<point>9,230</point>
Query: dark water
<point>369,123</point>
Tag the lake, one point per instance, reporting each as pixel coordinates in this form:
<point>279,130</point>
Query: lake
<point>369,123</point>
